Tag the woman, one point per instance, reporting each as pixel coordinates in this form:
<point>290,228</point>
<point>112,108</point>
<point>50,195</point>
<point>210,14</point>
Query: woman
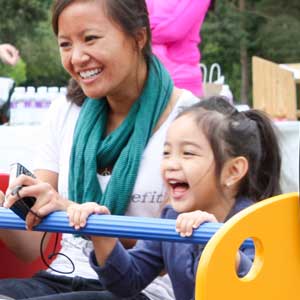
<point>175,27</point>
<point>104,145</point>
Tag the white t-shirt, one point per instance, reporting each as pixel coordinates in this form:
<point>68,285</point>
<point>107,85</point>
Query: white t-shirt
<point>148,193</point>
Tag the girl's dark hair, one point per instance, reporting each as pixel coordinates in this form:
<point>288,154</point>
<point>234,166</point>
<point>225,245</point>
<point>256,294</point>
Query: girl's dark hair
<point>250,134</point>
<point>130,15</point>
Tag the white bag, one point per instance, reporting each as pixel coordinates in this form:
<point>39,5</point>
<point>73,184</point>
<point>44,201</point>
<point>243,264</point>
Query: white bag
<point>215,85</point>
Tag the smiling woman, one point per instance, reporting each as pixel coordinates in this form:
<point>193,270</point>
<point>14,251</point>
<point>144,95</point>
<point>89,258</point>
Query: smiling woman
<point>120,103</point>
<point>99,56</point>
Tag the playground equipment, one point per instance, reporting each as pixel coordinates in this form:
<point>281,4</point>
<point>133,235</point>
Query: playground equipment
<point>273,224</point>
<point>116,226</point>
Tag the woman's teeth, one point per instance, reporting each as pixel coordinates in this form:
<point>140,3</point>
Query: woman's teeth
<point>90,73</point>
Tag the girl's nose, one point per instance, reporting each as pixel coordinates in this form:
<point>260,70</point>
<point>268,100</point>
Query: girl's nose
<point>171,163</point>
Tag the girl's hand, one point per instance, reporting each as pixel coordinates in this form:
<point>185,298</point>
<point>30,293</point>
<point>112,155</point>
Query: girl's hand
<point>47,198</point>
<point>187,222</point>
<point>79,213</point>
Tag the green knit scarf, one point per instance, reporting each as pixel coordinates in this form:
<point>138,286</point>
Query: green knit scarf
<point>122,148</point>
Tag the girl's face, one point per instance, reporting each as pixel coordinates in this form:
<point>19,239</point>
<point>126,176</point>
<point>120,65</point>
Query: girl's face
<point>95,51</point>
<point>188,168</point>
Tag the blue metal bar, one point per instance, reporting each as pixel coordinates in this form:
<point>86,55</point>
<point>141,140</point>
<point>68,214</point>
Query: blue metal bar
<point>116,226</point>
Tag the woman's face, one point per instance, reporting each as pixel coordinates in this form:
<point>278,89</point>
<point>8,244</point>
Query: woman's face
<point>188,168</point>
<point>95,51</point>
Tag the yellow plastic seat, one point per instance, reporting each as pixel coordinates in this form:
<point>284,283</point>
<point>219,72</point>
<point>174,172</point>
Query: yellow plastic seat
<point>274,225</point>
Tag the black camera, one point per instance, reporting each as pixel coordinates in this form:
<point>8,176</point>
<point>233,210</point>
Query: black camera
<point>23,205</point>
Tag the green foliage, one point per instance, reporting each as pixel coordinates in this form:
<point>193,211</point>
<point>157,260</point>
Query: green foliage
<point>26,24</point>
<point>17,72</point>
<point>267,28</point>
<point>18,17</point>
<point>279,39</point>
<point>41,53</point>
<point>221,40</point>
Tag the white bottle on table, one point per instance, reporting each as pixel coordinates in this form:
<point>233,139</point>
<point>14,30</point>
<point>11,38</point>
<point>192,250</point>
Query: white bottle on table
<point>30,110</point>
<point>17,106</point>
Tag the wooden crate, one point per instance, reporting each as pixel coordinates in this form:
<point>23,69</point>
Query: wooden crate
<point>274,89</point>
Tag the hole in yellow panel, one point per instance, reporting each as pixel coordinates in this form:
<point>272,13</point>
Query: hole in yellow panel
<point>250,255</point>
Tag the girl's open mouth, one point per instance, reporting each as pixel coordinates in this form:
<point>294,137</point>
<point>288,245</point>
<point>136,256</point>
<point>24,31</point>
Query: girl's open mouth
<point>178,188</point>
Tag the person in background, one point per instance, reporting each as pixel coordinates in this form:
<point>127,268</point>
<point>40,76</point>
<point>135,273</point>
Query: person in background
<point>175,28</point>
<point>216,162</point>
<point>103,144</point>
<point>9,54</point>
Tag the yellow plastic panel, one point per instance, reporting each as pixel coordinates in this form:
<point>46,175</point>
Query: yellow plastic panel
<point>274,225</point>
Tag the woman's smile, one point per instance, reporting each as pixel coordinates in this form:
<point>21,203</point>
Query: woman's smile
<point>90,73</point>
<point>100,56</point>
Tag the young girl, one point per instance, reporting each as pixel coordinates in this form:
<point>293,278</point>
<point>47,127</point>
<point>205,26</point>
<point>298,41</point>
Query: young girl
<point>216,162</point>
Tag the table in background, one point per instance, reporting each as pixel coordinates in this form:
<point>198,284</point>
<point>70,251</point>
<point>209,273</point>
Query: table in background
<point>19,143</point>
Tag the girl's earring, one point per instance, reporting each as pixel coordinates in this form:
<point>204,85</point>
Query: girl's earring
<point>228,184</point>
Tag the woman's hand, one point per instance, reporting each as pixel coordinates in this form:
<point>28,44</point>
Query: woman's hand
<point>79,213</point>
<point>47,198</point>
<point>187,222</point>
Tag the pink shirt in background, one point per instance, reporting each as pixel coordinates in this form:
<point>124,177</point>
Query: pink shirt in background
<point>175,26</point>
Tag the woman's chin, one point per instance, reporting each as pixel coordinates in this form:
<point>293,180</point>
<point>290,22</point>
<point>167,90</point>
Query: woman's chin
<point>92,94</point>
<point>92,91</point>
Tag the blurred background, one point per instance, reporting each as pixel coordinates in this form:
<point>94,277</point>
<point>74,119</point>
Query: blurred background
<point>233,32</point>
